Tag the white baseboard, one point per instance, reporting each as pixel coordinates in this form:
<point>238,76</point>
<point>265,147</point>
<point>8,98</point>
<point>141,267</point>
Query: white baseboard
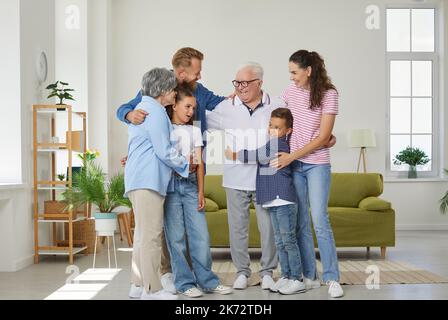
<point>421,227</point>
<point>23,262</point>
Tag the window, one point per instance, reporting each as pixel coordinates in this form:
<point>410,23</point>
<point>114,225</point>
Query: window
<point>412,66</point>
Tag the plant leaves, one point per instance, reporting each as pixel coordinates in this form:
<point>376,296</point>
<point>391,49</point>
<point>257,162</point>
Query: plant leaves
<point>90,186</point>
<point>51,86</point>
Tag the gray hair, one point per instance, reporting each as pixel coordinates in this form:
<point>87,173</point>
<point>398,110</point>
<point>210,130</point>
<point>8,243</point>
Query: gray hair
<point>255,67</point>
<point>158,81</point>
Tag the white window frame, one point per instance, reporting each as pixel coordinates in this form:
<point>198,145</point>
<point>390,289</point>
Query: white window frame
<point>436,169</point>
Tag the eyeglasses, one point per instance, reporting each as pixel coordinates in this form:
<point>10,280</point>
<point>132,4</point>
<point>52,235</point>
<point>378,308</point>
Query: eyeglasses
<point>244,84</point>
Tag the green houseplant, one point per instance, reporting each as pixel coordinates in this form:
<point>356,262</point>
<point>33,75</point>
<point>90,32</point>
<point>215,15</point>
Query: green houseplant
<point>444,201</point>
<point>412,157</point>
<point>58,90</point>
<point>91,185</point>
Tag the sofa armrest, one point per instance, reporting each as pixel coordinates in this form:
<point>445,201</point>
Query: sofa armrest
<point>210,205</point>
<point>374,204</point>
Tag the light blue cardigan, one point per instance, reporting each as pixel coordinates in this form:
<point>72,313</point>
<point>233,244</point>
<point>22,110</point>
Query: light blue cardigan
<point>152,156</point>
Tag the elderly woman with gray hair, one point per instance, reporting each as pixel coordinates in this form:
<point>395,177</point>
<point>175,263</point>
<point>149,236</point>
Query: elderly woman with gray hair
<point>151,161</point>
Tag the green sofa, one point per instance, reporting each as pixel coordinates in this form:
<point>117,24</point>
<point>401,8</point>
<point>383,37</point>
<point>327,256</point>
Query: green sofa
<point>358,217</point>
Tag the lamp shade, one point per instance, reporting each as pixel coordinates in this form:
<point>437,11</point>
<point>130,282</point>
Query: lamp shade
<point>360,138</point>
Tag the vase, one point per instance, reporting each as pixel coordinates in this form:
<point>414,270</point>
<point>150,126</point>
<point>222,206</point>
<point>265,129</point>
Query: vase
<point>105,223</point>
<point>412,173</point>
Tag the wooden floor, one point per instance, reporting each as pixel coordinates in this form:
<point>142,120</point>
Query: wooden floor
<point>424,250</point>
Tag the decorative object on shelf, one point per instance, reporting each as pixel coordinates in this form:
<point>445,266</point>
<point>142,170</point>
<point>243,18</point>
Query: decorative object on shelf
<point>61,177</point>
<point>362,138</point>
<point>58,90</point>
<point>444,200</point>
<point>89,155</point>
<point>53,207</point>
<point>412,157</point>
<point>41,66</point>
<point>77,140</point>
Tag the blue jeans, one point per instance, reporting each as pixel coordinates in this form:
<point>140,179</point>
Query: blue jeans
<point>183,221</point>
<point>284,222</point>
<point>312,184</point>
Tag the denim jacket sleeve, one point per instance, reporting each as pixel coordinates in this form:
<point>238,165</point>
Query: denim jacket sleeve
<point>207,97</point>
<point>124,109</point>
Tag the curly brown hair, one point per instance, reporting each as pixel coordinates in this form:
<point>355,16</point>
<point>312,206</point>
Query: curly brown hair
<point>319,80</point>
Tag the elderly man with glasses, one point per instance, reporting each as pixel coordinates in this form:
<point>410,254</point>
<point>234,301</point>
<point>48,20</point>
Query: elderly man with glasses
<point>245,119</point>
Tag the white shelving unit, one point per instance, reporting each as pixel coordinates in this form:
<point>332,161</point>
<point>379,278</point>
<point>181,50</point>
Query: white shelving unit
<point>53,185</point>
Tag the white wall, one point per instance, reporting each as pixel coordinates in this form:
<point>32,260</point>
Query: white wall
<point>70,21</point>
<point>99,78</point>
<point>145,34</point>
<point>10,170</point>
<point>36,20</point>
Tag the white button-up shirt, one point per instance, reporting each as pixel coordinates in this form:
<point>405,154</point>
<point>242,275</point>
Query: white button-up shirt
<point>242,131</point>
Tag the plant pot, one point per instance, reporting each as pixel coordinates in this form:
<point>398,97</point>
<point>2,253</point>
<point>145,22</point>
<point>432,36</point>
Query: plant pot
<point>105,223</point>
<point>412,173</point>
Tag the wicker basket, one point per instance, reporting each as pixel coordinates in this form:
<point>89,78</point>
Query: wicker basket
<point>85,230</point>
<point>57,207</point>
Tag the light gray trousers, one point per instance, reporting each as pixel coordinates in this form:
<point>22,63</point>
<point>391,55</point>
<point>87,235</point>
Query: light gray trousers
<point>238,202</point>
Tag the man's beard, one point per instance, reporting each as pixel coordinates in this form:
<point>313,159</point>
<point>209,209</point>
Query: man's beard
<point>191,84</point>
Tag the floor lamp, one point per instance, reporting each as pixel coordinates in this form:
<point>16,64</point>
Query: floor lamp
<point>362,138</point>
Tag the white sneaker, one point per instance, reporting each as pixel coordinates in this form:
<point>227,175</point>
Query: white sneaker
<point>240,282</point>
<point>292,287</point>
<point>193,292</point>
<point>311,284</point>
<point>159,295</point>
<point>279,284</point>
<point>335,289</point>
<point>168,283</point>
<point>222,289</point>
<point>135,292</point>
<point>267,283</point>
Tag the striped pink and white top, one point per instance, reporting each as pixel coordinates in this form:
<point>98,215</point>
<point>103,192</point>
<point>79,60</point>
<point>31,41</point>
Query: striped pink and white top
<point>306,125</point>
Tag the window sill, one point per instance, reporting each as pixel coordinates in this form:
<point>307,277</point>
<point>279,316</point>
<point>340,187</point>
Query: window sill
<point>9,186</point>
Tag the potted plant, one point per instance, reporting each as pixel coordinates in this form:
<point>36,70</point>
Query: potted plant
<point>444,201</point>
<point>91,185</point>
<point>61,177</point>
<point>412,157</point>
<point>58,90</point>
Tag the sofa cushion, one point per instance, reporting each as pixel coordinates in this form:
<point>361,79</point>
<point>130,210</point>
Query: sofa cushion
<point>218,228</point>
<point>354,227</point>
<point>214,190</point>
<point>348,189</point>
<point>210,205</point>
<point>375,204</point>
